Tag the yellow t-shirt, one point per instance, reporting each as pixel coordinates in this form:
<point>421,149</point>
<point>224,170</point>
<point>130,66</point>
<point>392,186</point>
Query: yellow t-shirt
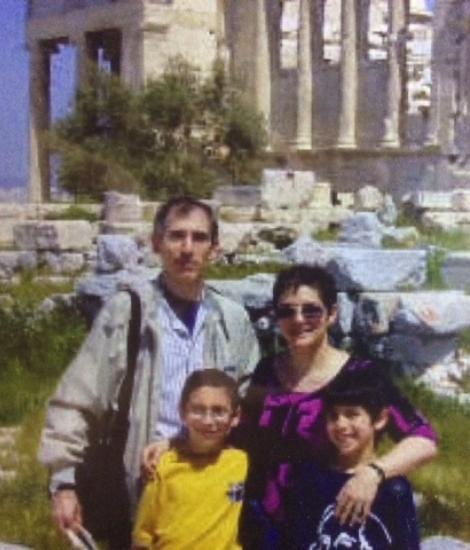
<point>193,503</point>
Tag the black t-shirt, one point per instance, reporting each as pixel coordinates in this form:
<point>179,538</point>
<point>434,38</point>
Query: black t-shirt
<point>311,523</point>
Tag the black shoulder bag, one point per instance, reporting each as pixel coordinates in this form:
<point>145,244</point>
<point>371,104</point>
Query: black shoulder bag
<point>100,479</point>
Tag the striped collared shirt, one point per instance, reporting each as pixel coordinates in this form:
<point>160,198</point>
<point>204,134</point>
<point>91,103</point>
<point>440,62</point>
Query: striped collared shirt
<point>182,354</point>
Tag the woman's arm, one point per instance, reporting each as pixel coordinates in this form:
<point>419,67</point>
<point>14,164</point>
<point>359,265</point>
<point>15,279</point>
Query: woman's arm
<point>355,499</point>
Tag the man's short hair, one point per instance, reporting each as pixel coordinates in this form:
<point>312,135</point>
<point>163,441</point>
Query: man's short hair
<point>182,206</point>
<point>214,378</point>
<point>361,387</point>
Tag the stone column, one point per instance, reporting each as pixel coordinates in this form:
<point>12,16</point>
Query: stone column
<point>396,37</point>
<point>431,136</point>
<point>262,60</point>
<point>304,78</point>
<point>81,58</point>
<point>39,98</point>
<point>223,51</point>
<point>348,75</point>
<point>132,71</point>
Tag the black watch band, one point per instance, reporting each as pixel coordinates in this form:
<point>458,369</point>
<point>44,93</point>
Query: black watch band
<point>63,487</point>
<point>378,470</point>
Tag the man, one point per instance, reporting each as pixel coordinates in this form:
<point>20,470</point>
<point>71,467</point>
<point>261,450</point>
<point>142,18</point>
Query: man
<point>185,326</point>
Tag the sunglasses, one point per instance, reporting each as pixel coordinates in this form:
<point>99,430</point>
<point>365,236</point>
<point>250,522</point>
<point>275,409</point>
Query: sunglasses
<point>311,312</point>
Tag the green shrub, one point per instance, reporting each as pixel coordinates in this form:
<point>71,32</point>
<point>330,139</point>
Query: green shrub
<point>73,212</point>
<point>434,277</point>
<point>36,347</point>
<point>30,293</point>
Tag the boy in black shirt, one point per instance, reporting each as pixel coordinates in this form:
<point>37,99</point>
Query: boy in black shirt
<point>355,414</point>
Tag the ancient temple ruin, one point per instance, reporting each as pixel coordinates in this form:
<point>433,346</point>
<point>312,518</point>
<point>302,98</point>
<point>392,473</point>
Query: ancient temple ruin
<point>330,76</point>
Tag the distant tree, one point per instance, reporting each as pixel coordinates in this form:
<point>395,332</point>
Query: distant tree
<point>179,134</point>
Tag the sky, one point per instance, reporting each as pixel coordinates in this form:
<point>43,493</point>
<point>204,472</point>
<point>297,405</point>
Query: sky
<point>14,92</point>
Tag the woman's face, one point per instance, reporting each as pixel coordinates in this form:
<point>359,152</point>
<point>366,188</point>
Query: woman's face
<point>303,318</point>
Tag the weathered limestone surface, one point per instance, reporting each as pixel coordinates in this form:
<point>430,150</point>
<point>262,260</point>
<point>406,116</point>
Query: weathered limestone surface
<point>237,196</point>
<point>12,261</point>
<point>413,313</point>
<point>368,198</point>
<point>141,230</point>
<point>117,252</point>
<point>447,221</point>
<point>456,270</point>
<point>64,262</point>
<point>363,228</point>
<point>286,189</point>
<point>363,268</point>
<point>444,543</point>
<point>120,207</point>
<point>254,291</point>
<point>430,200</point>
<point>461,200</point>
<point>53,235</point>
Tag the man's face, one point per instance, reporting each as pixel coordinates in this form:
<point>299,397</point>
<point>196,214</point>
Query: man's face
<point>185,246</point>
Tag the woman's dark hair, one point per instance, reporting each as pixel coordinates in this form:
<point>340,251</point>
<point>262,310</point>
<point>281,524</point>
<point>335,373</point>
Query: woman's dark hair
<point>182,206</point>
<point>360,387</point>
<point>306,275</point>
<point>214,378</point>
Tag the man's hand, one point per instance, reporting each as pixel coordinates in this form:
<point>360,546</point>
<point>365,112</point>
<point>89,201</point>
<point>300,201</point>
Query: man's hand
<point>151,457</point>
<point>355,499</point>
<point>66,510</point>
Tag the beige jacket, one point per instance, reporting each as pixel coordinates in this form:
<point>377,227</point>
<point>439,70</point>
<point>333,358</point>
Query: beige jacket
<point>91,383</point>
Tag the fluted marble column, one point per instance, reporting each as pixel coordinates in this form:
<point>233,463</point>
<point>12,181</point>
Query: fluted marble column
<point>223,51</point>
<point>39,78</point>
<point>81,57</point>
<point>132,71</point>
<point>304,78</point>
<point>348,75</point>
<point>396,37</point>
<point>262,63</point>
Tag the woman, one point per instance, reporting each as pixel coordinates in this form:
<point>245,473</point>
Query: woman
<point>284,405</point>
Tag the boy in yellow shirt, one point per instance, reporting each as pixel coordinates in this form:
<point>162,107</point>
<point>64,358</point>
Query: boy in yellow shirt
<point>195,500</point>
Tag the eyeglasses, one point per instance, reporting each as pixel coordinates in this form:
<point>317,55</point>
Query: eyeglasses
<point>217,414</point>
<point>310,312</point>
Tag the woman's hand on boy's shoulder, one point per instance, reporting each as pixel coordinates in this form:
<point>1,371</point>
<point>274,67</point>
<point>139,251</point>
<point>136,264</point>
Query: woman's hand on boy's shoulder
<point>354,501</point>
<point>151,457</point>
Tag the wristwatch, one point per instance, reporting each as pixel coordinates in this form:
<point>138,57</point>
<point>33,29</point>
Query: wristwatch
<point>378,470</point>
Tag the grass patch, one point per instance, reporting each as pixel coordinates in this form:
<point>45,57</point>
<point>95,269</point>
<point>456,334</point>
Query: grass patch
<point>434,277</point>
<point>451,240</point>
<point>329,234</point>
<point>32,293</point>
<point>464,340</point>
<point>73,212</point>
<point>24,505</point>
<point>443,483</point>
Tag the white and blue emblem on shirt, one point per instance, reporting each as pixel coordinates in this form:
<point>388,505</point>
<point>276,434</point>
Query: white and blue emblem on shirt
<point>236,492</point>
